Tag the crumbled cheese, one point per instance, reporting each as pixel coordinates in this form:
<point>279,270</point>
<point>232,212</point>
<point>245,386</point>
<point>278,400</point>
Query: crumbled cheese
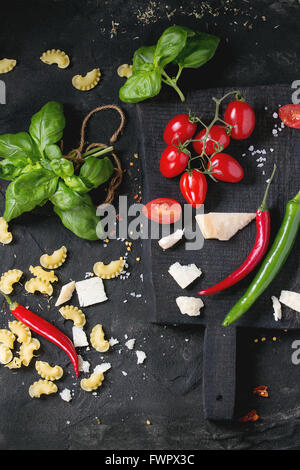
<point>79,337</point>
<point>170,240</point>
<point>90,291</point>
<point>290,299</point>
<point>184,275</point>
<point>65,293</point>
<point>141,356</point>
<point>124,373</point>
<point>66,394</point>
<point>84,366</point>
<point>277,308</point>
<point>130,343</point>
<point>113,341</point>
<point>189,305</point>
<point>103,367</point>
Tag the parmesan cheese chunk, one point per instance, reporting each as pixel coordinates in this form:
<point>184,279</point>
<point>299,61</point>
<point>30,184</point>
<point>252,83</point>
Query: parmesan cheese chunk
<point>90,291</point>
<point>79,337</point>
<point>103,367</point>
<point>170,240</point>
<point>141,356</point>
<point>66,394</point>
<point>189,305</point>
<point>290,299</point>
<point>277,308</point>
<point>130,343</point>
<point>65,293</point>
<point>223,225</point>
<point>184,275</point>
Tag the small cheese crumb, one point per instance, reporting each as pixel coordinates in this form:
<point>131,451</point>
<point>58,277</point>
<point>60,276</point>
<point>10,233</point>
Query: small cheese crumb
<point>113,341</point>
<point>130,343</point>
<point>277,308</point>
<point>103,367</point>
<point>66,395</point>
<point>79,337</point>
<point>141,356</point>
<point>84,366</point>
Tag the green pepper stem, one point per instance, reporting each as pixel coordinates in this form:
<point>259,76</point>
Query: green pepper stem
<point>263,206</point>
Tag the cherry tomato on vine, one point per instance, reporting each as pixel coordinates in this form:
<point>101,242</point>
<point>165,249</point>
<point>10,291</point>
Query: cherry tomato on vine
<point>181,127</point>
<point>193,186</point>
<point>163,210</point>
<point>226,168</point>
<point>241,116</point>
<point>218,134</point>
<point>173,162</point>
<point>290,115</point>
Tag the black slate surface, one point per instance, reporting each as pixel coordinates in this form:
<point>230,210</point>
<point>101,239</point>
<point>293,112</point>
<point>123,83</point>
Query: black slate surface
<point>259,46</point>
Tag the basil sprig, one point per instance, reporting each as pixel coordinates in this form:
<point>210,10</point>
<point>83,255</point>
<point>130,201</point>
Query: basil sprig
<point>178,45</point>
<point>38,172</point>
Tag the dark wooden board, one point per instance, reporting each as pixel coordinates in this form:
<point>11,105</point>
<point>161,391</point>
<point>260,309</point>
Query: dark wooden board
<point>217,259</point>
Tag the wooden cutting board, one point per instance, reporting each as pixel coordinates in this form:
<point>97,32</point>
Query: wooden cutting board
<point>217,259</point>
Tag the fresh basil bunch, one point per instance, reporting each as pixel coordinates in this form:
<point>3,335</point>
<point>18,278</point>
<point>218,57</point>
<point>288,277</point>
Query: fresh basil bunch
<point>178,45</point>
<point>38,172</point>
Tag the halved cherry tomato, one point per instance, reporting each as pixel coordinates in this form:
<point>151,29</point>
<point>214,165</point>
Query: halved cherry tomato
<point>290,115</point>
<point>241,116</point>
<point>226,168</point>
<point>163,210</point>
<point>193,186</point>
<point>179,128</point>
<point>173,162</point>
<point>217,133</point>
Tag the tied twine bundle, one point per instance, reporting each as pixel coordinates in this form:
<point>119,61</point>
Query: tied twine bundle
<point>77,155</point>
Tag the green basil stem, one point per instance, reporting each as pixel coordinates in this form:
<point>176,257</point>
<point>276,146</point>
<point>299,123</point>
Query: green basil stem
<point>96,152</point>
<point>173,83</point>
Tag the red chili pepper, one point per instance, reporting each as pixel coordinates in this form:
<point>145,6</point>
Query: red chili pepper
<point>257,252</point>
<point>44,328</point>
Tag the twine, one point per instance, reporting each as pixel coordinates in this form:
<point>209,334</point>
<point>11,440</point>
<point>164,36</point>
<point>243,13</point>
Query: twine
<point>75,155</point>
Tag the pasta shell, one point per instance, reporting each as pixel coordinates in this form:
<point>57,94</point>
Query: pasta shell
<point>21,331</point>
<point>69,312</point>
<point>97,339</point>
<point>88,81</point>
<point>47,372</point>
<point>56,56</point>
<point>5,236</point>
<point>6,65</point>
<point>93,382</point>
<point>109,271</point>
<point>27,349</point>
<point>36,284</point>
<point>124,70</point>
<point>16,363</point>
<point>8,279</point>
<point>55,260</point>
<point>42,387</point>
<point>7,338</point>
<point>47,276</point>
<point>5,354</point>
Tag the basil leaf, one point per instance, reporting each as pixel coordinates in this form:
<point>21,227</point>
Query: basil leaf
<point>81,219</point>
<point>62,167</point>
<point>18,148</point>
<point>65,198</point>
<point>95,172</point>
<point>197,51</point>
<point>28,191</point>
<point>75,182</point>
<point>47,125</point>
<point>53,151</point>
<point>8,171</point>
<point>169,45</point>
<point>143,59</point>
<point>141,86</point>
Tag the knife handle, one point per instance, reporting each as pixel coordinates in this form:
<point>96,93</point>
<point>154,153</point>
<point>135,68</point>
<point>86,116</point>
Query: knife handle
<point>219,372</point>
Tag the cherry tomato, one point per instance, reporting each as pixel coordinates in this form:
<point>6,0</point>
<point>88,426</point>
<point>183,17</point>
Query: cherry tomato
<point>163,210</point>
<point>217,133</point>
<point>241,116</point>
<point>290,115</point>
<point>179,128</point>
<point>226,168</point>
<point>173,162</point>
<point>193,186</point>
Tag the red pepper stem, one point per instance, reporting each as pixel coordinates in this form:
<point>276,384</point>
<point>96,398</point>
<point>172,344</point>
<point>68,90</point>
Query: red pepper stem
<point>12,305</point>
<point>263,206</point>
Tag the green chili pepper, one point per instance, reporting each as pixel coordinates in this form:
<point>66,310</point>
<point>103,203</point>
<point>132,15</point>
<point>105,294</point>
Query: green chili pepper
<point>273,262</point>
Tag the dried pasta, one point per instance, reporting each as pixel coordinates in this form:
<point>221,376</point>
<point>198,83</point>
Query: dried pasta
<point>109,271</point>
<point>93,382</point>
<point>47,276</point>
<point>47,372</point>
<point>124,70</point>
<point>5,236</point>
<point>8,279</point>
<point>27,349</point>
<point>87,82</point>
<point>5,354</point>
<point>42,387</point>
<point>36,284</point>
<point>55,260</point>
<point>16,363</point>
<point>6,65</point>
<point>97,339</point>
<point>56,56</point>
<point>21,331</point>
<point>7,338</point>
<point>69,312</point>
